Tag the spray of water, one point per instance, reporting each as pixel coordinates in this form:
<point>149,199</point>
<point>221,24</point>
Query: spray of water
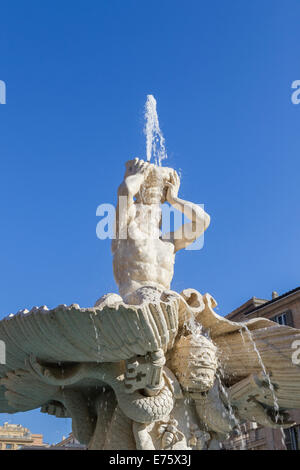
<point>268,380</point>
<point>155,142</point>
<point>233,418</point>
<point>194,327</point>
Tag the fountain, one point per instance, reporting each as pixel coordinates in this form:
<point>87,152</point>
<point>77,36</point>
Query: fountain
<point>149,368</point>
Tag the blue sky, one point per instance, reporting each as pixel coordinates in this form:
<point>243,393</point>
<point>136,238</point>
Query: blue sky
<point>77,76</point>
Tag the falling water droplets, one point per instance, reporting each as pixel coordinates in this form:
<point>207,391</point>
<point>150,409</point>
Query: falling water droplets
<point>96,336</point>
<point>268,380</point>
<point>194,327</point>
<point>219,376</point>
<point>265,373</point>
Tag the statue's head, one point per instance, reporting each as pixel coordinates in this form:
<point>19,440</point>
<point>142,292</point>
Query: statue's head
<point>154,188</point>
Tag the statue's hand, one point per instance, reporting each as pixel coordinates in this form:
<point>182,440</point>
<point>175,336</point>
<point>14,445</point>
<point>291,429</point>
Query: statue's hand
<point>135,175</point>
<point>38,370</point>
<point>137,166</point>
<point>172,187</point>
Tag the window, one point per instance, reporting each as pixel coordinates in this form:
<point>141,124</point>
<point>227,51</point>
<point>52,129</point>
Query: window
<point>292,438</point>
<point>285,318</point>
<point>259,433</point>
<point>8,446</point>
<point>281,319</point>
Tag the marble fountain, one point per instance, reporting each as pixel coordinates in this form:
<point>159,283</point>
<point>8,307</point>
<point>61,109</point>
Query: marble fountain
<point>149,368</point>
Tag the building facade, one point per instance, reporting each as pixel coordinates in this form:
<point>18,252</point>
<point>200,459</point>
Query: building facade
<point>68,443</point>
<point>15,437</point>
<point>285,310</point>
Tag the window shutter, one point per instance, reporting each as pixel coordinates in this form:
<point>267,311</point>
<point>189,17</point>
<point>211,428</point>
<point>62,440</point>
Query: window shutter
<point>289,318</point>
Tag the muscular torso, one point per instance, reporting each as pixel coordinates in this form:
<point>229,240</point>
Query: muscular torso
<point>143,258</point>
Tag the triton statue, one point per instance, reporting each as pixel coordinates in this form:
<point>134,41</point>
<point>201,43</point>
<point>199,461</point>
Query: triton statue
<point>142,256</point>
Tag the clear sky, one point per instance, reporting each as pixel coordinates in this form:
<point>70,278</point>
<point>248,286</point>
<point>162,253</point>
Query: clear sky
<point>77,76</point>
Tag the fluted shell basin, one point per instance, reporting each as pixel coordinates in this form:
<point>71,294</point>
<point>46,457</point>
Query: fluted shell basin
<point>115,331</point>
<point>73,334</point>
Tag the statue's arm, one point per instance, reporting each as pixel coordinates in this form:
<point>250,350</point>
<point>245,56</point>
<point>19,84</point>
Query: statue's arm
<point>200,220</point>
<point>130,186</point>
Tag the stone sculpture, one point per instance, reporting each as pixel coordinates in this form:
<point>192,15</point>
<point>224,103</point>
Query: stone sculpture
<point>149,368</point>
